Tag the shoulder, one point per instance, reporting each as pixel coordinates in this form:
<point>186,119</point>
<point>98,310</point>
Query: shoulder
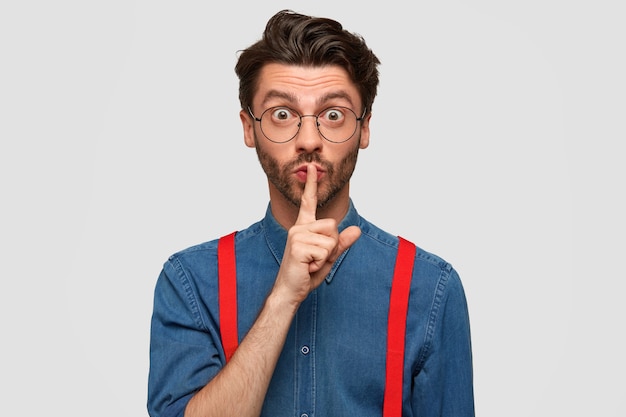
<point>377,237</point>
<point>435,282</point>
<point>207,251</point>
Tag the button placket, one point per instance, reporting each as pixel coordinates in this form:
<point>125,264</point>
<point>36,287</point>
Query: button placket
<point>305,323</point>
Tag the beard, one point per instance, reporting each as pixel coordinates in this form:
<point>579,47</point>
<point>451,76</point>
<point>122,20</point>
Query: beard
<point>335,179</point>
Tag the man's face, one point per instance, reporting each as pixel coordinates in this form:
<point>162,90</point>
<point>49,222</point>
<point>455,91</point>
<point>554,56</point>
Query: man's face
<point>307,90</point>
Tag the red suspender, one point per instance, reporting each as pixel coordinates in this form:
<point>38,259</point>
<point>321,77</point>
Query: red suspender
<point>227,293</point>
<point>396,328</point>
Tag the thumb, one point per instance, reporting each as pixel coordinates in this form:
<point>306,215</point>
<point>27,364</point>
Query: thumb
<point>346,239</point>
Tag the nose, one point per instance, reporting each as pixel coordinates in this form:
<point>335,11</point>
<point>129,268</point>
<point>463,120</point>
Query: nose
<point>308,138</point>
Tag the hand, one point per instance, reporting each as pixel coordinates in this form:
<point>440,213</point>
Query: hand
<point>312,245</point>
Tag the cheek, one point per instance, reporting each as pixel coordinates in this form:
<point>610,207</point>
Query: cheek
<point>270,152</point>
<point>282,153</point>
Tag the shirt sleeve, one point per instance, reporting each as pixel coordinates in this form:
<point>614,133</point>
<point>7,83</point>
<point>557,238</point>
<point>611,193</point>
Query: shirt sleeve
<point>184,352</point>
<point>443,386</point>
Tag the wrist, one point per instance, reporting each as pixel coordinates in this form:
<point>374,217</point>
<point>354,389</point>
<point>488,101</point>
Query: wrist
<point>282,301</point>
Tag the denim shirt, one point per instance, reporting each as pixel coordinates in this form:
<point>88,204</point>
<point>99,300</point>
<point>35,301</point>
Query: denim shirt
<point>333,360</point>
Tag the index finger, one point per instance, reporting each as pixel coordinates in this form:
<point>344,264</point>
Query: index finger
<point>308,201</point>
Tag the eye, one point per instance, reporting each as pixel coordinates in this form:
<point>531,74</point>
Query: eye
<point>282,114</point>
<point>332,116</point>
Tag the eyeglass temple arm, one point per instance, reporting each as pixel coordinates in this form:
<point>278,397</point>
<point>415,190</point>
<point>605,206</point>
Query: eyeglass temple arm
<point>252,115</point>
<point>363,115</point>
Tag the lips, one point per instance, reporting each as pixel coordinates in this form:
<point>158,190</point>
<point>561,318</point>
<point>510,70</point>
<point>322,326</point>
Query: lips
<point>301,172</point>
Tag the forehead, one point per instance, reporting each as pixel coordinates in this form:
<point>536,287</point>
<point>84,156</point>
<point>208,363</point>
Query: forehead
<point>305,85</point>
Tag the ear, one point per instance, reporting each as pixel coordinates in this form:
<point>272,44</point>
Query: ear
<point>365,131</point>
<point>248,128</point>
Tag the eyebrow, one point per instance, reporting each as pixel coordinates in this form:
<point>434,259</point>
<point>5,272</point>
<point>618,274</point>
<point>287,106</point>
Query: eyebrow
<point>334,95</point>
<point>291,98</point>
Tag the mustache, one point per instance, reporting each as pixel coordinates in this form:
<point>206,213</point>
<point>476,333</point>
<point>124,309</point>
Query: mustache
<point>308,158</point>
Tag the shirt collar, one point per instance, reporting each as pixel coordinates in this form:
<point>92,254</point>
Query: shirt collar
<point>276,236</point>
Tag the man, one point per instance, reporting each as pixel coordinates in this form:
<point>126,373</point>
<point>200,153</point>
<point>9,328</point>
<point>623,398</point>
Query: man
<point>313,279</point>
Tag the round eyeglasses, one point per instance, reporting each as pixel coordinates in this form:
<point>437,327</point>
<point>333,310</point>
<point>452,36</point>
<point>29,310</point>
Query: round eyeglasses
<point>335,124</point>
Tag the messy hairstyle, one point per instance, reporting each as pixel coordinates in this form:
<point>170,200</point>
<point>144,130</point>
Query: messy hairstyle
<point>294,39</point>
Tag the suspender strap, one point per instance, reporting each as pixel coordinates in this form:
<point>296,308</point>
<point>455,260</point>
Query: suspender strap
<point>227,293</point>
<point>396,328</point>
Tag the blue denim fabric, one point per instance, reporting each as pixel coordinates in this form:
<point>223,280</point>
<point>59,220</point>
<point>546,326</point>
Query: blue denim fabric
<point>333,362</point>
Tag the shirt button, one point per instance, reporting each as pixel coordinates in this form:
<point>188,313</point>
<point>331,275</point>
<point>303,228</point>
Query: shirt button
<point>304,415</point>
<point>305,351</point>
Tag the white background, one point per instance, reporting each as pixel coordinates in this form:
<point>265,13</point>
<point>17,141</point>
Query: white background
<point>496,143</point>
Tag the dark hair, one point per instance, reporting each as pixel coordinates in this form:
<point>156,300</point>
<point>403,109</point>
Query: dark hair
<point>295,39</point>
